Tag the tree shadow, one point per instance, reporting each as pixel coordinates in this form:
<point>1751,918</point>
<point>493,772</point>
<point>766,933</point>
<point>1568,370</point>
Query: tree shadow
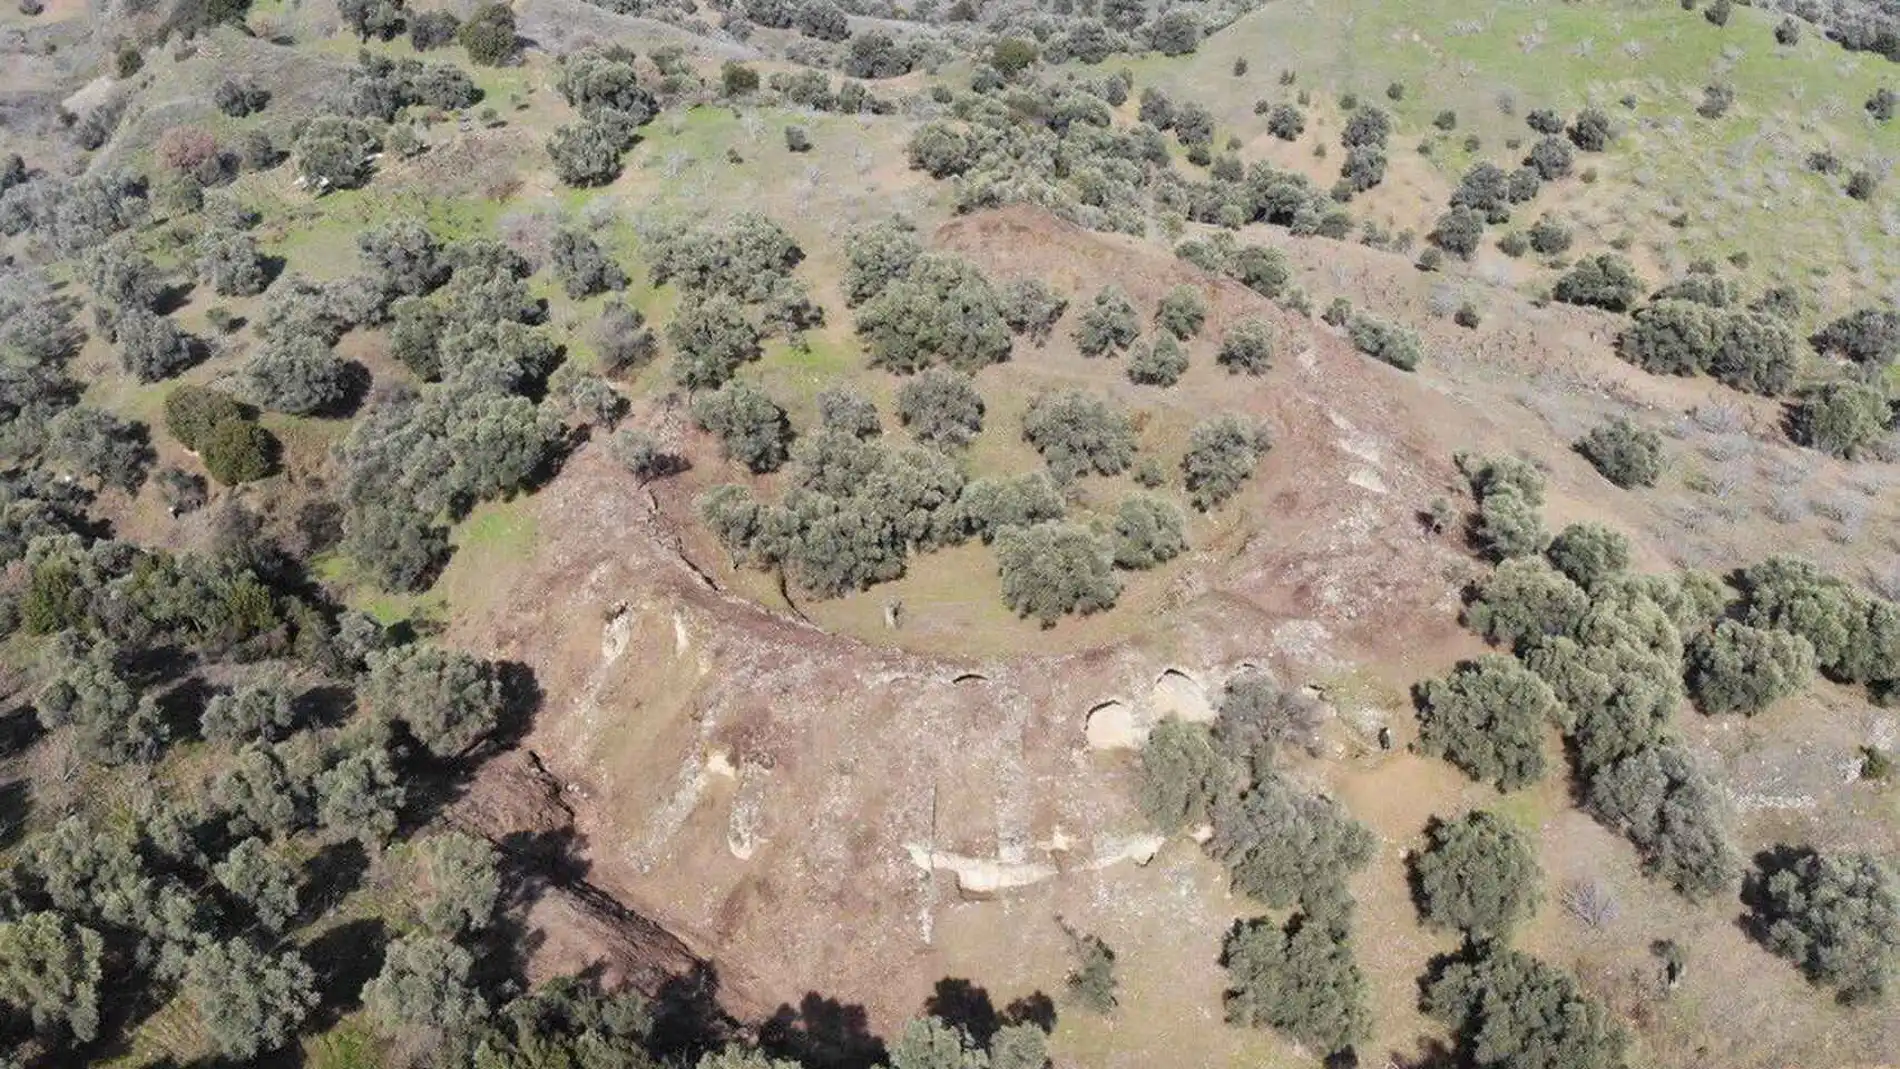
<point>1431,1053</point>
<point>1034,1008</point>
<point>171,298</point>
<point>533,861</point>
<point>344,958</point>
<point>822,1033</point>
<point>16,805</point>
<point>331,875</point>
<point>19,730</point>
<point>325,705</point>
<point>961,1004</point>
<point>687,1020</point>
<point>182,708</point>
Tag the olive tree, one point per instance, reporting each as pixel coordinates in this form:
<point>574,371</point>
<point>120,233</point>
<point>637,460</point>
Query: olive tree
<point>751,427</point>
<point>263,711</point>
<point>1299,979</point>
<point>1109,323</point>
<point>1736,668</point>
<point>1842,418</point>
<point>1221,455</point>
<point>50,972</point>
<point>1183,775</point>
<point>447,699</point>
<point>151,347</point>
<point>229,261</point>
<point>1589,553</point>
<point>940,407</point>
<point>1836,916</point>
<point>582,267</point>
<point>1673,813</point>
<point>1488,718</point>
<point>1148,532</point>
<point>1525,599</point>
<point>262,879</point>
<point>301,376</point>
<point>1078,434</point>
<point>250,1001</point>
<point>1161,362</point>
<point>1285,847</point>
<point>1246,348</point>
<point>1181,312</point>
<point>460,882</point>
<point>1052,569</point>
<point>1509,1009</point>
<point>1627,455</point>
<point>1476,875</point>
<point>425,986</point>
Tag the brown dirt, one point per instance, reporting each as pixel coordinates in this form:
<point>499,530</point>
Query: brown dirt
<point>751,783</point>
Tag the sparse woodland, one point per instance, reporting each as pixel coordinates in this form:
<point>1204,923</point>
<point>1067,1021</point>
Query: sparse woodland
<point>302,312</point>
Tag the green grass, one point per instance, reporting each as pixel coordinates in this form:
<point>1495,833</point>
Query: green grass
<point>1740,179</point>
<point>347,1046</point>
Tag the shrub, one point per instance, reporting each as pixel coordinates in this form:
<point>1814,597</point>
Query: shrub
<point>939,150</point>
<point>1671,337</point>
<point>751,428</point>
<point>1741,669</point>
<point>1835,916</point>
<point>430,30</point>
<point>712,337</point>
<point>1627,455</point>
<point>1248,347</point>
<point>941,408</point>
<point>1221,455</point>
<point>1672,813</point>
<point>192,411</point>
<point>238,451</point>
<point>300,376</point>
<point>1053,569</point>
<point>151,347</point>
<point>1286,122</point>
<point>1476,875</point>
<point>1549,237</point>
<point>587,153</point>
<point>1181,312</point>
<point>1284,847</point>
<point>334,152</point>
<point>1502,1005</point>
<point>1590,130</point>
<point>239,98</point>
<point>737,80</point>
<point>1160,363</point>
<point>1509,525</point>
<point>96,444</point>
<point>1013,55</point>
<point>1590,553</point>
<point>1604,281</point>
<point>1866,336</point>
<point>797,139</point>
<point>1077,434</point>
<point>1109,323</point>
<point>1175,33</point>
<point>1488,718</point>
<point>1091,979</point>
<point>489,35</point>
<point>1300,980</point>
<point>1148,531</point>
<point>1524,599</point>
<point>1385,342</point>
<point>1182,776</point>
<point>1841,418</point>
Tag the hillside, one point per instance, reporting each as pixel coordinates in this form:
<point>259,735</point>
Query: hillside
<point>794,535</point>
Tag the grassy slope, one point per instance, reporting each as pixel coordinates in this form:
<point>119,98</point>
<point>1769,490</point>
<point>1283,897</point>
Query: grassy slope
<point>1741,178</point>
